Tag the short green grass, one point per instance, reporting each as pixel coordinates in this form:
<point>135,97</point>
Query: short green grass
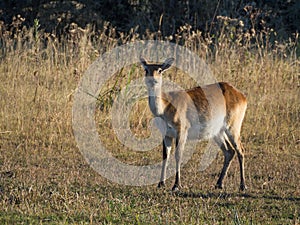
<point>44,179</point>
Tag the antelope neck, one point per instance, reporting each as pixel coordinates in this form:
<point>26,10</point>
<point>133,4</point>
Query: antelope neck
<point>155,100</point>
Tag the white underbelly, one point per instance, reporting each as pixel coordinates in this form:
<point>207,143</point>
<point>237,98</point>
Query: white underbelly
<point>197,131</point>
<point>205,131</point>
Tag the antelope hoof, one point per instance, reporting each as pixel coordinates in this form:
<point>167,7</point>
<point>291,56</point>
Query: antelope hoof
<point>243,187</point>
<point>176,188</point>
<point>161,184</point>
<point>219,186</point>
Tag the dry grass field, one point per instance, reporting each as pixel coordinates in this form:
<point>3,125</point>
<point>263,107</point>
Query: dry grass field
<point>44,179</point>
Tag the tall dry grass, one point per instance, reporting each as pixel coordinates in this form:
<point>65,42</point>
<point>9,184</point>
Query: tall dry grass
<point>42,171</point>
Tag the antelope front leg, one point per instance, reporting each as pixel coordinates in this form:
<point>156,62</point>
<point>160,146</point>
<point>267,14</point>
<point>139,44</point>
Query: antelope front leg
<point>180,142</point>
<point>167,145</point>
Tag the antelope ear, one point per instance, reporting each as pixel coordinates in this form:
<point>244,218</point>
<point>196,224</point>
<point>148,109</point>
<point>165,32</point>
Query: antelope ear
<point>167,64</point>
<point>144,63</point>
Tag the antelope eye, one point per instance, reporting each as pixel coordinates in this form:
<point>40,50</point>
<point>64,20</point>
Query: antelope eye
<point>159,70</point>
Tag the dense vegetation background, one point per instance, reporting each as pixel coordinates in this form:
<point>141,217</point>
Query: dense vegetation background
<point>166,16</point>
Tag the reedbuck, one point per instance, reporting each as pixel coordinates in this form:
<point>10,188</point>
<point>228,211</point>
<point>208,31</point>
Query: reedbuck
<point>219,109</point>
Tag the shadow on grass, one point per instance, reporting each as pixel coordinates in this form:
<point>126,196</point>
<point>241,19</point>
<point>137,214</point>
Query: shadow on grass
<point>224,195</point>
